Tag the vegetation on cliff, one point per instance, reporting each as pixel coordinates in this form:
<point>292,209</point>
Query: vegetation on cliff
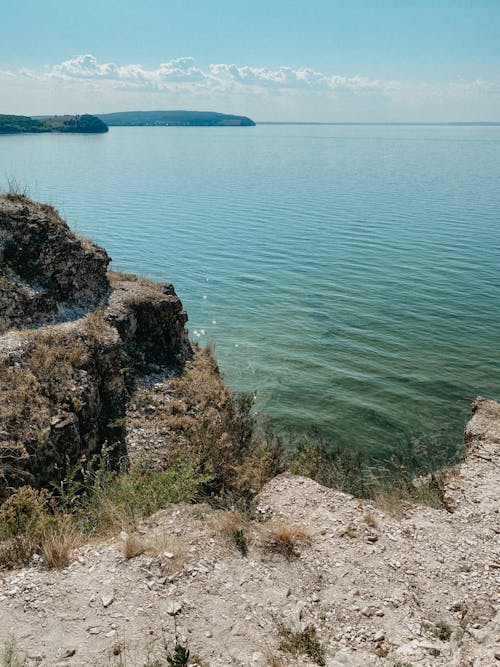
<point>84,123</point>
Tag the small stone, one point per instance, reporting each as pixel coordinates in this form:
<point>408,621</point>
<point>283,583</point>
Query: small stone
<point>379,636</point>
<point>168,554</point>
<point>69,652</point>
<point>208,634</point>
<point>106,600</point>
<point>173,608</point>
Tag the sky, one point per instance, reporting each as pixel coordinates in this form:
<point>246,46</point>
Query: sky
<point>299,60</point>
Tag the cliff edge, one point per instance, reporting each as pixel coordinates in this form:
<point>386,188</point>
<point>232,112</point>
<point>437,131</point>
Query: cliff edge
<point>76,338</point>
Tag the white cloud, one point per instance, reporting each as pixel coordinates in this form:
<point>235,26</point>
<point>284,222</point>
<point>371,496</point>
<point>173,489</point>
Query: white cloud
<point>183,72</point>
<point>283,93</point>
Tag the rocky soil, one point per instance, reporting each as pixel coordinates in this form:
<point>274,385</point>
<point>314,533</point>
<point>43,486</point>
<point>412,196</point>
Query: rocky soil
<point>415,588</point>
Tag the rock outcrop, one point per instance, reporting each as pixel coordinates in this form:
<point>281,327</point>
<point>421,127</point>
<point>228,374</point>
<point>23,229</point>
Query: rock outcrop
<point>44,266</point>
<point>64,384</point>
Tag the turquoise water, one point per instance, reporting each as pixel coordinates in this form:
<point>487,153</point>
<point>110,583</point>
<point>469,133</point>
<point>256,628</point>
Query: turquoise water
<point>347,275</point>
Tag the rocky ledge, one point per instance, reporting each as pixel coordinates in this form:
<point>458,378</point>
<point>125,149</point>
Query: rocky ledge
<point>76,338</point>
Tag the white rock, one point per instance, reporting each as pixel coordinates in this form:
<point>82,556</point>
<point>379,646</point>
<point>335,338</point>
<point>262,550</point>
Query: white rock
<point>107,599</point>
<point>173,608</point>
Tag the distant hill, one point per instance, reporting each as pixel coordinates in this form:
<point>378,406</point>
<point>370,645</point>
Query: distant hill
<point>176,118</point>
<point>24,124</point>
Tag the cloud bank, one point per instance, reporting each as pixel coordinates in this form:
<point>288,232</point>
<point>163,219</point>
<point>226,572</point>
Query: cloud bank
<point>184,73</point>
<point>265,92</point>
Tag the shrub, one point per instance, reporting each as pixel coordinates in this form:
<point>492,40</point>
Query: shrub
<point>109,500</point>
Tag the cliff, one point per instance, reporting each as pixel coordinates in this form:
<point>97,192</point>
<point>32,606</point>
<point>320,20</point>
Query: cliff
<point>76,338</point>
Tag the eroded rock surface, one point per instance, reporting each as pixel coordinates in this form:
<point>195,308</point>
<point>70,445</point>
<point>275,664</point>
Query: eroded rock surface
<point>44,266</point>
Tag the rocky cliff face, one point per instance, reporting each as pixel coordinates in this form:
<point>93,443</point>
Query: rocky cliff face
<point>45,267</point>
<point>64,386</point>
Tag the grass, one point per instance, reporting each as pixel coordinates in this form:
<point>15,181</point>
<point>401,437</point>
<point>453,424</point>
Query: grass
<point>390,486</point>
<point>40,523</point>
<point>235,526</point>
<point>370,520</point>
<point>285,539</point>
<point>15,191</point>
<point>133,545</point>
<point>216,431</point>
<point>217,453</point>
<point>9,656</point>
<point>442,630</point>
<point>303,642</point>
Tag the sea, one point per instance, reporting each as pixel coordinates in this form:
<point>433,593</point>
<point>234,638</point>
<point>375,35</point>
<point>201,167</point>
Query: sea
<point>347,275</point>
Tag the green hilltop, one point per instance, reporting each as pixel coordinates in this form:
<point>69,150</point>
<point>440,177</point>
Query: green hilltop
<point>176,118</point>
<point>85,123</point>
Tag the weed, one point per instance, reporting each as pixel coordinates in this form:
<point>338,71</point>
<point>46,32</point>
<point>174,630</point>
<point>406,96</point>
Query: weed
<point>349,531</point>
<point>32,522</point>
<point>284,539</point>
<point>442,630</point>
<point>133,546</point>
<point>179,657</point>
<point>110,500</point>
<point>216,431</point>
<point>233,525</point>
<point>9,655</point>
<point>15,191</point>
<point>57,545</point>
<point>370,520</point>
<point>305,642</point>
<point>241,542</point>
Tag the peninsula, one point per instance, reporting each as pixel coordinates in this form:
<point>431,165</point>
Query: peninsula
<point>85,124</point>
<point>176,118</point>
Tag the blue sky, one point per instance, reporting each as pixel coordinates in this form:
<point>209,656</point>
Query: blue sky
<point>274,60</point>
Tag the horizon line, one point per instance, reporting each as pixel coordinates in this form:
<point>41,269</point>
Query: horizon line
<point>383,122</point>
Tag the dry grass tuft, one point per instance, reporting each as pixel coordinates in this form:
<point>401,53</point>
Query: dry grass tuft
<point>234,526</point>
<point>133,545</point>
<point>172,550</point>
<point>349,531</point>
<point>370,520</point>
<point>305,642</point>
<point>282,538</point>
<point>58,544</point>
<point>9,656</point>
